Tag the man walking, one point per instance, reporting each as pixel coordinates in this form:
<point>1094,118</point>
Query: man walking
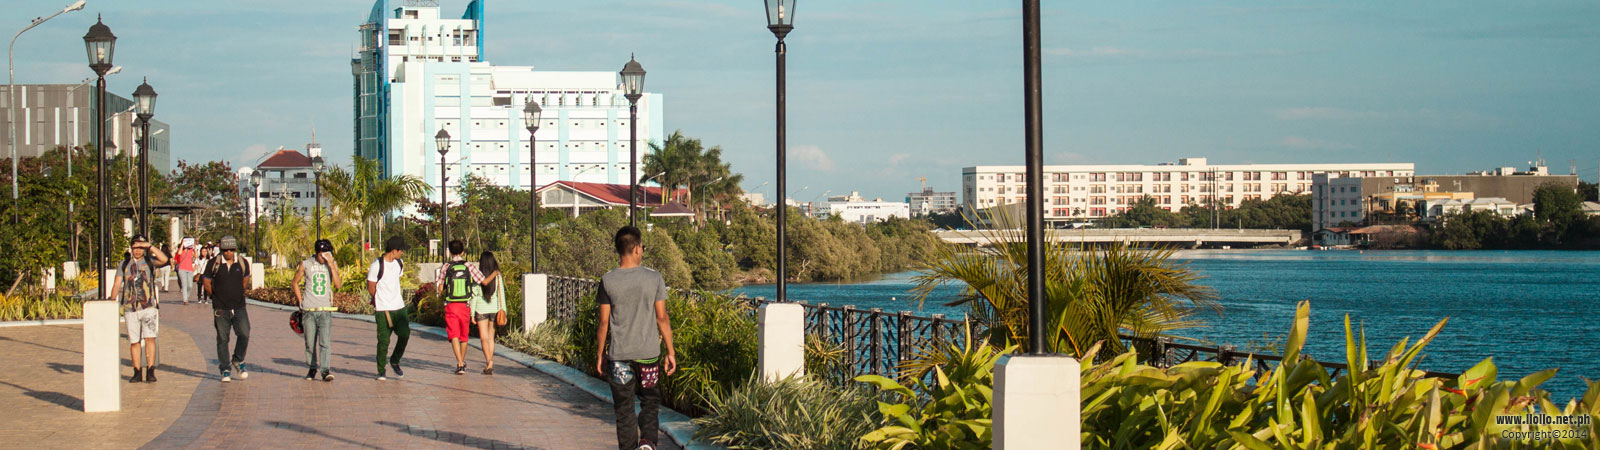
<point>320,274</point>
<point>633,316</point>
<point>389,306</point>
<point>135,287</point>
<point>226,279</point>
<point>456,281</point>
<point>185,259</point>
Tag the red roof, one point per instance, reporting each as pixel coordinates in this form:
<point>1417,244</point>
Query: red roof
<point>615,194</point>
<point>286,159</point>
<point>672,210</point>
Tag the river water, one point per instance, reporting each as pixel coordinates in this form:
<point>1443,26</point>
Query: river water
<point>1529,310</point>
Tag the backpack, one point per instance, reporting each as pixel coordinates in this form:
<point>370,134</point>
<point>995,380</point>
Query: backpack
<point>381,268</point>
<point>458,282</point>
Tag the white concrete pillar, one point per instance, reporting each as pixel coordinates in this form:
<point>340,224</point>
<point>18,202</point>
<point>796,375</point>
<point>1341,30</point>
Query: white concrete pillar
<point>535,300</point>
<point>258,275</point>
<point>47,279</point>
<point>174,233</point>
<point>111,278</point>
<point>428,272</point>
<point>69,270</point>
<point>1033,394</point>
<point>127,229</point>
<point>102,357</point>
<point>783,340</point>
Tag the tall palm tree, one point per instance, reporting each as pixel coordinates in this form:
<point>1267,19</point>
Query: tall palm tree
<point>684,161</point>
<point>1091,294</point>
<point>363,195</point>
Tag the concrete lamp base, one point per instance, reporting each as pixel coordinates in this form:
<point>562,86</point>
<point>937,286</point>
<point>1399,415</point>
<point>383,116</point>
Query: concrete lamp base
<point>102,357</point>
<point>1036,403</point>
<point>535,300</point>
<point>783,340</point>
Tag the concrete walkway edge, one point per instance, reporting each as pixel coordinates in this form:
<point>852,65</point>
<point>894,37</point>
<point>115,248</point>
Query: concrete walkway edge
<point>37,323</point>
<point>675,424</point>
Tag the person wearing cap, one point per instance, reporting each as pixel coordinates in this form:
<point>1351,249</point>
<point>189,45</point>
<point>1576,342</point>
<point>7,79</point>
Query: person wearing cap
<point>227,277</point>
<point>389,305</point>
<point>320,273</point>
<point>135,287</point>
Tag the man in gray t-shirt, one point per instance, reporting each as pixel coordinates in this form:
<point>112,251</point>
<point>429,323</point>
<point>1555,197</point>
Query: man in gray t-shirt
<point>320,276</point>
<point>633,318</point>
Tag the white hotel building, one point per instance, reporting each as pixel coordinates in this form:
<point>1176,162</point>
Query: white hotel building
<point>1081,193</point>
<point>418,73</point>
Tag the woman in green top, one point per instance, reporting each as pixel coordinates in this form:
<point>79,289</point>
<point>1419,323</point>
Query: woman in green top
<point>488,301</point>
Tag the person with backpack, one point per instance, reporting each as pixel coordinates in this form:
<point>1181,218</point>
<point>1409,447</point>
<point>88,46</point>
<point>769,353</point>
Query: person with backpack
<point>135,288</point>
<point>320,273</point>
<point>633,319</point>
<point>389,304</point>
<point>456,280</point>
<point>226,279</point>
<point>489,308</point>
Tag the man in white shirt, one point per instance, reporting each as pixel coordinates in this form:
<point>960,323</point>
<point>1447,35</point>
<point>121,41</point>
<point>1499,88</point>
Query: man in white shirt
<point>389,304</point>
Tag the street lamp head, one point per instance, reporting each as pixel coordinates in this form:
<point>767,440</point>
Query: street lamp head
<point>780,17</point>
<point>531,115</point>
<point>632,80</point>
<point>255,178</point>
<point>101,44</point>
<point>75,6</point>
<point>109,150</point>
<point>317,163</point>
<point>144,99</point>
<point>441,140</point>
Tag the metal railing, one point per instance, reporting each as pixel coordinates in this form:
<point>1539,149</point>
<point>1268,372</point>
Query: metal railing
<point>1165,352</point>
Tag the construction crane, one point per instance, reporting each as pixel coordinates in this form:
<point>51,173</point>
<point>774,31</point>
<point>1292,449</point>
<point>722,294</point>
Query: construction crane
<point>924,180</point>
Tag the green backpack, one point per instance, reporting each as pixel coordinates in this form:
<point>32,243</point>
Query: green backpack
<point>458,283</point>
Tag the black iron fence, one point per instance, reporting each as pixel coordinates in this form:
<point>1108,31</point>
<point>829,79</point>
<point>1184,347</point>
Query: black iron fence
<point>874,341</point>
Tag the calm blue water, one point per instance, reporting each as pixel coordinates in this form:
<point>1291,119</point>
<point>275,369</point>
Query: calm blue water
<point>1529,310</point>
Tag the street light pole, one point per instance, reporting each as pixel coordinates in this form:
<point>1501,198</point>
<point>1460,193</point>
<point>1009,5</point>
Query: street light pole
<point>442,141</point>
<point>100,44</point>
<point>531,113</point>
<point>633,84</point>
<point>316,168</point>
<point>1033,118</point>
<point>255,214</point>
<point>145,101</point>
<point>11,97</point>
<point>780,20</point>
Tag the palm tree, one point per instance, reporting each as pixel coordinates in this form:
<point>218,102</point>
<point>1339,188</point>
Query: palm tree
<point>1092,294</point>
<point>364,196</point>
<point>684,161</point>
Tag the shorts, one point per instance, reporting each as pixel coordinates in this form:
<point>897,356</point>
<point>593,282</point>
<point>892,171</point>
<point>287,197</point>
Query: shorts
<point>142,324</point>
<point>457,320</point>
<point>485,316</point>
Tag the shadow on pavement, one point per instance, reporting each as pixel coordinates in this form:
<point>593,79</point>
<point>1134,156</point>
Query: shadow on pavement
<point>450,437</point>
<point>78,351</point>
<point>298,428</point>
<point>66,401</point>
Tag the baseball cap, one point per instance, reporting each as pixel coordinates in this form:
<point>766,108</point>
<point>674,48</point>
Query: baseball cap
<point>396,243</point>
<point>137,238</point>
<point>323,245</point>
<point>229,243</point>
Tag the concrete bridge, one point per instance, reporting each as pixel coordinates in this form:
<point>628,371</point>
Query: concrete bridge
<point>1179,237</point>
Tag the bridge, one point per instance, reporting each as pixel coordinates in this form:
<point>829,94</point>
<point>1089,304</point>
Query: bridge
<point>1179,237</point>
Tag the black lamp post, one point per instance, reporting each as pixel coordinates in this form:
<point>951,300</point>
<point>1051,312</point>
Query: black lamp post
<point>1033,129</point>
<point>530,117</point>
<point>316,168</point>
<point>101,45</point>
<point>633,85</point>
<point>255,212</point>
<point>144,98</point>
<point>780,20</point>
<point>441,140</point>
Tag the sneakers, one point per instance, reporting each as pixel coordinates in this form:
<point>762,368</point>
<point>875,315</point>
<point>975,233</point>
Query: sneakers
<point>397,372</point>
<point>311,374</point>
<point>242,372</point>
<point>646,445</point>
<point>150,375</point>
<point>138,376</point>
<point>327,376</point>
<point>383,378</point>
<point>461,370</point>
<point>488,371</point>
<point>226,375</point>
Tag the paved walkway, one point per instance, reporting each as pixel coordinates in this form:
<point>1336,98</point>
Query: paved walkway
<point>431,407</point>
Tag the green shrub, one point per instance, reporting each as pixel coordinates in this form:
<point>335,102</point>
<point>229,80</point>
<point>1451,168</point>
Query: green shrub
<point>552,340</point>
<point>952,412</point>
<point>347,303</point>
<point>793,413</point>
<point>717,339</point>
<point>50,306</point>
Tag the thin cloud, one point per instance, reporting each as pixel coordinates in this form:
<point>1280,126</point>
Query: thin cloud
<point>897,158</point>
<point>1301,143</point>
<point>812,157</point>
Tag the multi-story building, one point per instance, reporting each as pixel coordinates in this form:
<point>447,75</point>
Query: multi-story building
<point>1340,198</point>
<point>62,115</point>
<point>864,212</point>
<point>929,202</point>
<point>418,73</point>
<point>287,180</point>
<point>1080,193</point>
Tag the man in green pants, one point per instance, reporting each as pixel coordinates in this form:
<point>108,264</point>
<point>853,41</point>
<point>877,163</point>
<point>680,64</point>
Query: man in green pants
<point>383,282</point>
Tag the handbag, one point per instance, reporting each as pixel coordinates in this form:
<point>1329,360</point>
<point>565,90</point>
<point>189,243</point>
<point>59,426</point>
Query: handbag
<point>500,294</point>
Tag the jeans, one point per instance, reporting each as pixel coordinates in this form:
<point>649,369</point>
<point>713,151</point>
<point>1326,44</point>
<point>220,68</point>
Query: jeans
<point>239,321</point>
<point>631,429</point>
<point>185,283</point>
<point>317,326</point>
<point>391,322</point>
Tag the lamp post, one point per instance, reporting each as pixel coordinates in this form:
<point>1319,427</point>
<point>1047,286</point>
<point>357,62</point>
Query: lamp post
<point>316,168</point>
<point>442,141</point>
<point>255,213</point>
<point>530,117</point>
<point>1033,118</point>
<point>144,99</point>
<point>100,44</point>
<point>633,85</point>
<point>11,88</point>
<point>780,20</point>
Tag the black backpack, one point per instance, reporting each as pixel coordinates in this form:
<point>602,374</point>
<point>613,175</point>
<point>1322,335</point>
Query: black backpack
<point>458,281</point>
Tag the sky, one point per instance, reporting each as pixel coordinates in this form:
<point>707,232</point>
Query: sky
<point>883,92</point>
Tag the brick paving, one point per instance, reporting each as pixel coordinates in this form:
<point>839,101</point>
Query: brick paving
<point>431,407</point>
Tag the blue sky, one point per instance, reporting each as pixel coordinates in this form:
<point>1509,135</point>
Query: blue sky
<point>881,92</point>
